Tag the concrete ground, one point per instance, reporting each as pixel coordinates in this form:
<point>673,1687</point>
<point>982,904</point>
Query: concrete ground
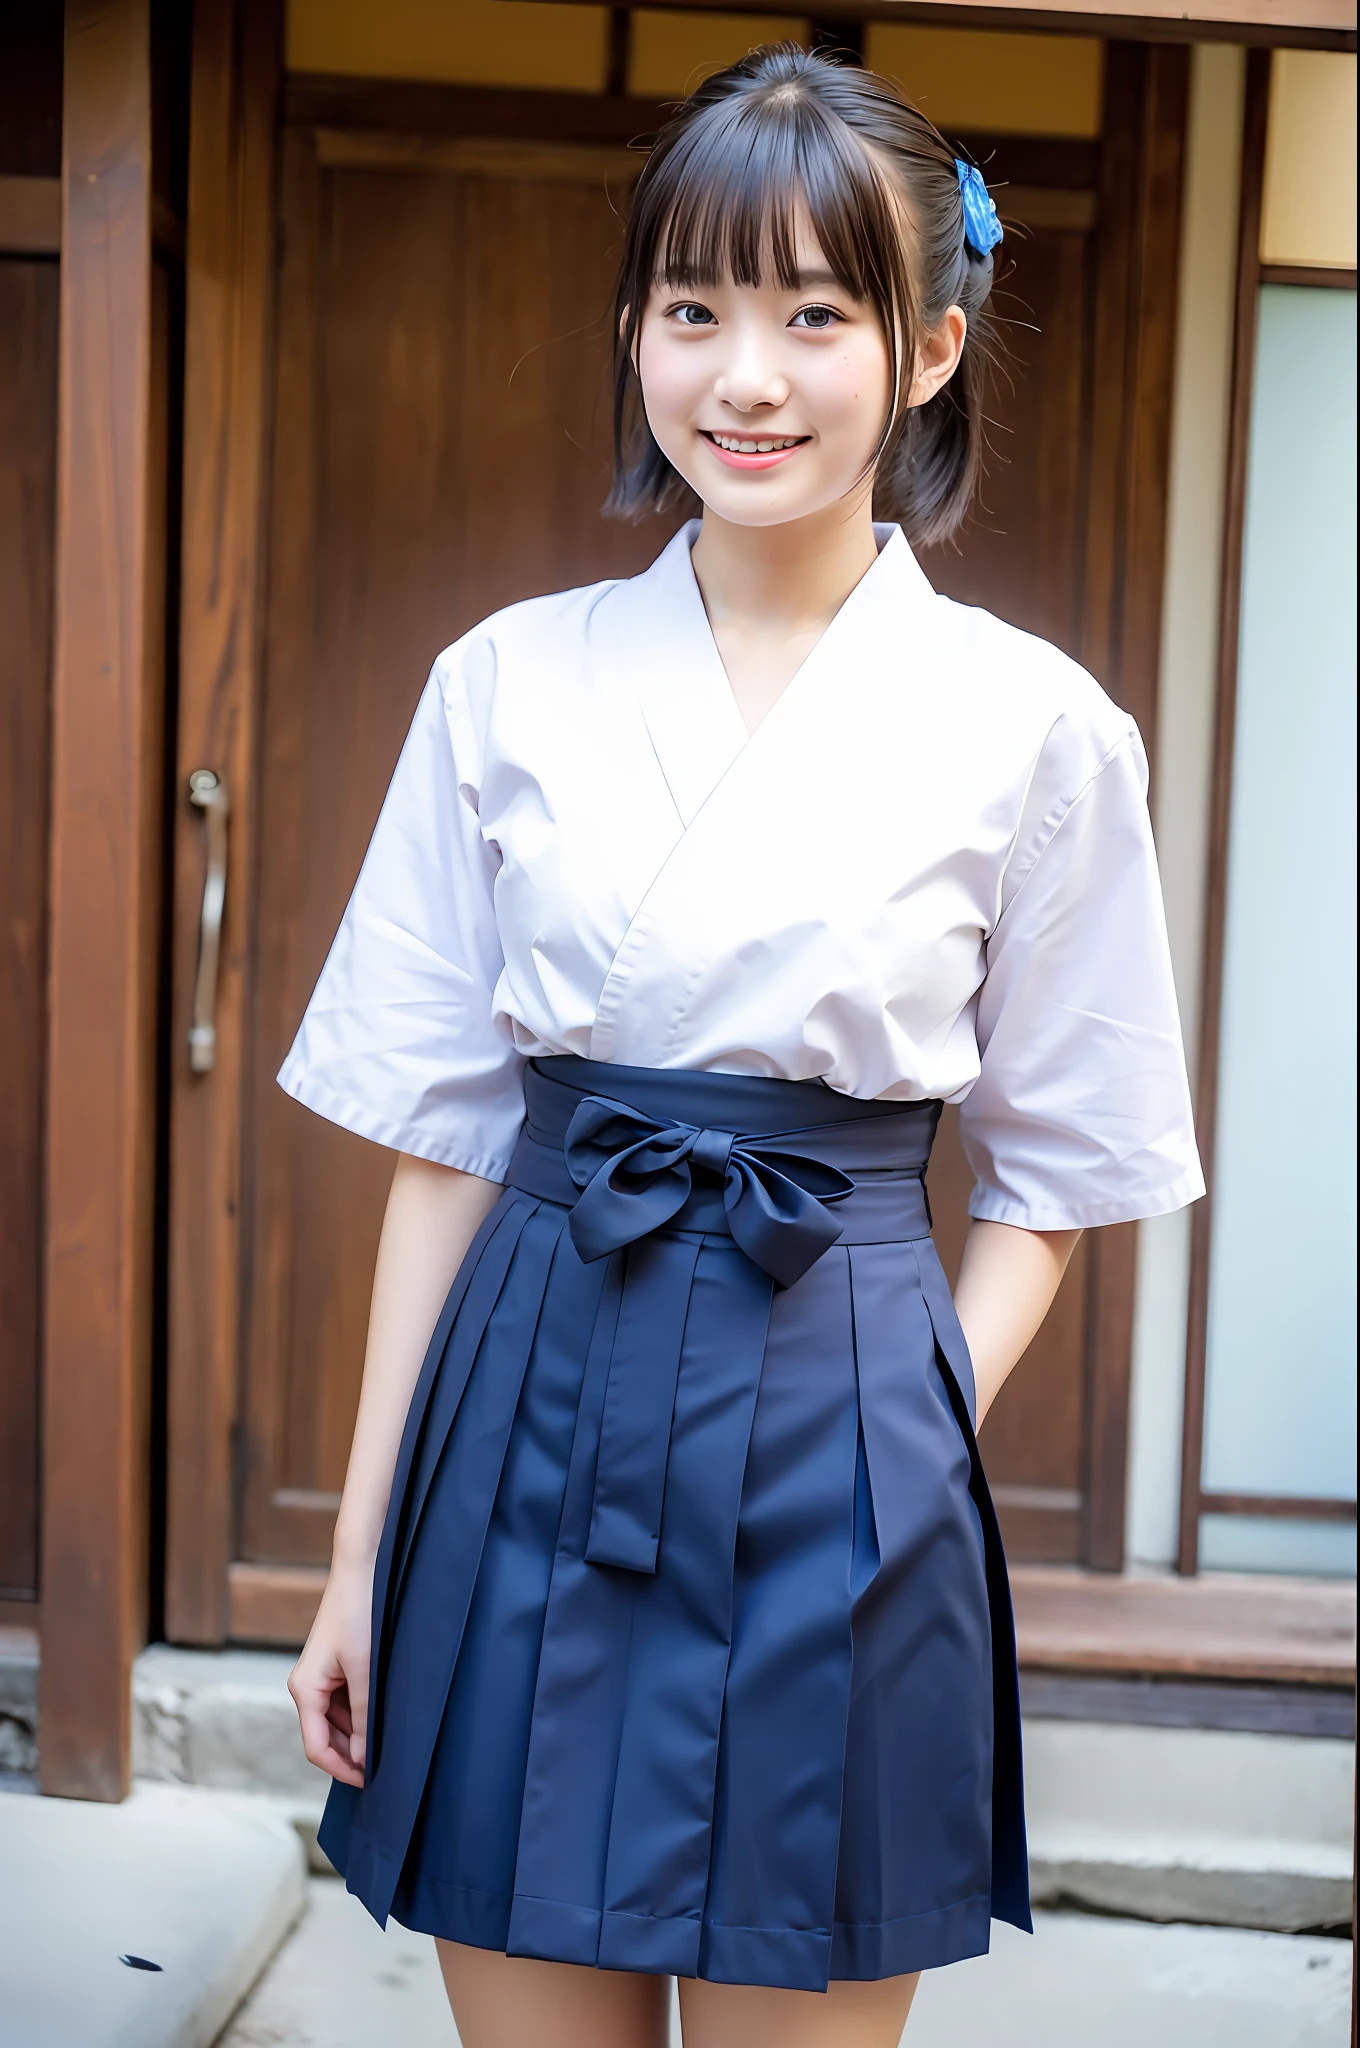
<point>137,1926</point>
<point>340,1983</point>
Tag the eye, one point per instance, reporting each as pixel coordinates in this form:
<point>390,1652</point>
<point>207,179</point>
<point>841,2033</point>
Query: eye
<point>693,315</point>
<point>819,318</point>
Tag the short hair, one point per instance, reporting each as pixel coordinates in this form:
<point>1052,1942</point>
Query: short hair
<point>718,198</point>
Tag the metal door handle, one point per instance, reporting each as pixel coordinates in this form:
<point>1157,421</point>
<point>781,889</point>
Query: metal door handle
<point>209,793</point>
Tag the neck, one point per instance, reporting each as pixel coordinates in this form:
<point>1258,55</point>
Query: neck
<point>793,577</point>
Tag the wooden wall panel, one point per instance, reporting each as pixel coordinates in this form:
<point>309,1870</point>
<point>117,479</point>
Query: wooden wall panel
<point>104,910</point>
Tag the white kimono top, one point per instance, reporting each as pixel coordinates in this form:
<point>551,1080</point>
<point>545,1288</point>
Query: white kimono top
<point>929,872</point>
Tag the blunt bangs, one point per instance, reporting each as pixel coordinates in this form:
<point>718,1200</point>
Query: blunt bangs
<point>725,205</point>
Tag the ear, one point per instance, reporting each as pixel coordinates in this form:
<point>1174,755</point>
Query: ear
<point>937,358</point>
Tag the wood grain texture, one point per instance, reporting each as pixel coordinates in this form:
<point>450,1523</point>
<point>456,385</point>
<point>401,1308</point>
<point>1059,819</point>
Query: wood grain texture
<point>1287,1631</point>
<point>1220,797</point>
<point>1278,1507</point>
<point>271,1603</point>
<point>1312,24</point>
<point>229,283</point>
<point>28,467</point>
<point>1137,253</point>
<point>441,450</point>
<point>1313,276</point>
<point>103,934</point>
<point>30,216</point>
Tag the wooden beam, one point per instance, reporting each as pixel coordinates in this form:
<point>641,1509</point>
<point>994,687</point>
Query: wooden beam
<point>1252,185</point>
<point>103,934</point>
<point>236,65</point>
<point>1278,1507</point>
<point>1137,252</point>
<point>1282,24</point>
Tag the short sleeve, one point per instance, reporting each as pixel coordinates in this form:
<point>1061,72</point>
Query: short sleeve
<point>1081,1113</point>
<point>398,1042</point>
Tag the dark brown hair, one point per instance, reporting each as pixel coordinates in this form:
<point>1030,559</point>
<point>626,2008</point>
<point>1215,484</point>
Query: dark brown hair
<point>718,197</point>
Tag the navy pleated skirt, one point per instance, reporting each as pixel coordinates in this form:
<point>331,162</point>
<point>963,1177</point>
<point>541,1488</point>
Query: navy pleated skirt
<point>692,1643</point>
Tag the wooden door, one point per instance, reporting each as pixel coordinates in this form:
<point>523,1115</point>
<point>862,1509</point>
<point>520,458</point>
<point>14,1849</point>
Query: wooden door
<point>441,449</point>
<point>434,370</point>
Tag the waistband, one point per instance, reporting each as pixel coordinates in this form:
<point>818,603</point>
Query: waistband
<point>785,1167</point>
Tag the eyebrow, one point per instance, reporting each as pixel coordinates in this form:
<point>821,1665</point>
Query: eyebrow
<point>809,278</point>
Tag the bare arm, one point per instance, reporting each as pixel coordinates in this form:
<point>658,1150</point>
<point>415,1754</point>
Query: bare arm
<point>1007,1280</point>
<point>433,1213</point>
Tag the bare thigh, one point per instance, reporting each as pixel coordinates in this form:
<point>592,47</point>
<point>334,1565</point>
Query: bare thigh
<point>514,2002</point>
<point>750,2016</point>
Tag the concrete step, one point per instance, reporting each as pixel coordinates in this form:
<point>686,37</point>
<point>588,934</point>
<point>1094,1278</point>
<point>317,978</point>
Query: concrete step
<point>141,1925</point>
<point>1215,1825</point>
<point>1079,1981</point>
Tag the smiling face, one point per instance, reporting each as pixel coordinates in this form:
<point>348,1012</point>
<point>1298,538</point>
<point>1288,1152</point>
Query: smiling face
<point>770,402</point>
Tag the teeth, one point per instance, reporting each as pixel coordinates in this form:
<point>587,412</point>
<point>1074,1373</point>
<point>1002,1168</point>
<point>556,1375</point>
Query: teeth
<point>736,447</point>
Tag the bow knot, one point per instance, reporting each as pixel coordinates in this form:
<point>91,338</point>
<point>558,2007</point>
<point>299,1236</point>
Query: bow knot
<point>635,1174</point>
<point>712,1150</point>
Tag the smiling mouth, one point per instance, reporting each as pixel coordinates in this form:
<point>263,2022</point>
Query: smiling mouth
<point>737,444</point>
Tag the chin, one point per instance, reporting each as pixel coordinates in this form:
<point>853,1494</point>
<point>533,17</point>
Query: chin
<point>748,504</point>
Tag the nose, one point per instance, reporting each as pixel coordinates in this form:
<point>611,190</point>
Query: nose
<point>750,378</point>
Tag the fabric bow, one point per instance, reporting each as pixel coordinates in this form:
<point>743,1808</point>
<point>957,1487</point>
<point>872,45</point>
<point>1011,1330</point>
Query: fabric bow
<point>635,1174</point>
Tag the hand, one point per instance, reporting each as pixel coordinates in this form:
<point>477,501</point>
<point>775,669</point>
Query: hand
<point>329,1682</point>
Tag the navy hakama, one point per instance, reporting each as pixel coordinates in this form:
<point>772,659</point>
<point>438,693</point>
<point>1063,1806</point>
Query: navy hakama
<point>692,1643</point>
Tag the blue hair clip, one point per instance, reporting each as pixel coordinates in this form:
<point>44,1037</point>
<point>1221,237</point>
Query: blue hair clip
<point>981,228</point>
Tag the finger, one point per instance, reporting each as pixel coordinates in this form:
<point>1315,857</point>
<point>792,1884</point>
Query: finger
<point>358,1708</point>
<point>329,1752</point>
<point>323,1744</point>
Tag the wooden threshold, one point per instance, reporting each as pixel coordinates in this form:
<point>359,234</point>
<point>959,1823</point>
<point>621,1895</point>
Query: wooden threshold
<point>272,1603</point>
<point>1218,1626</point>
<point>1138,1701</point>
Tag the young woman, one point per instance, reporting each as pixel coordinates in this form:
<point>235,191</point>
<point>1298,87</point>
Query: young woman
<point>667,1632</point>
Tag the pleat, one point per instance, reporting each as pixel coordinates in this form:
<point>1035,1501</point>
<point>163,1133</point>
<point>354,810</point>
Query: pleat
<point>429,1611</point>
<point>915,1844</point>
<point>481,1295</point>
<point>508,1215</point>
<point>777,1810</point>
<point>617,1816</point>
<point>460,1867</point>
<point>661,1817</point>
<point>1010,1854</point>
<point>578,1703</point>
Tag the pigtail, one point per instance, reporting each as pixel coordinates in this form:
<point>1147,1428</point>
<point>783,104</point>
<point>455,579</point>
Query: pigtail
<point>930,472</point>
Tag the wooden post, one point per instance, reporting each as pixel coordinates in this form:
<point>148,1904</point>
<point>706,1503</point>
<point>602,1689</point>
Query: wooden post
<point>104,902</point>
